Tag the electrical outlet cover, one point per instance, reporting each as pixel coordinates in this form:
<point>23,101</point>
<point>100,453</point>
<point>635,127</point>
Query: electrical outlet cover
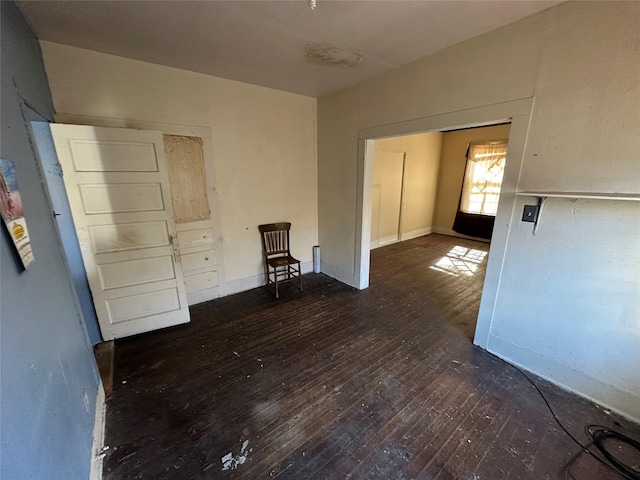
<point>530,213</point>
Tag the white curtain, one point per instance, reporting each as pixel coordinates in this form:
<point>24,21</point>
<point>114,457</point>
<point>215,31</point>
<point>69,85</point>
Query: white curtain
<point>483,178</point>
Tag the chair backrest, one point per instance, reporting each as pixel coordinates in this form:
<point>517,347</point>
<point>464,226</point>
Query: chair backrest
<point>275,238</point>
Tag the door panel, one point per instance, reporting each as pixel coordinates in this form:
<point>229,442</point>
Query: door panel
<point>135,272</point>
<point>386,199</point>
<point>118,188</point>
<point>142,305</point>
<point>125,236</point>
<point>201,281</point>
<point>105,156</point>
<point>192,262</point>
<point>196,238</point>
<point>120,198</point>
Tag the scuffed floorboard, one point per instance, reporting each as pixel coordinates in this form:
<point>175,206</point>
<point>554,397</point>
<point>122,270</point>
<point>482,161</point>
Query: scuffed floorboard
<point>343,384</point>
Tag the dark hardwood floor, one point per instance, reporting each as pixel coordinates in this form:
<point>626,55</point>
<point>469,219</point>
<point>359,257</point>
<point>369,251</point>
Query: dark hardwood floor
<point>344,384</point>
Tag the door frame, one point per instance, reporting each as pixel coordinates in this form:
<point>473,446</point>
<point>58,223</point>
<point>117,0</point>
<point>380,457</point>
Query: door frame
<point>44,151</point>
<point>65,227</point>
<point>516,112</point>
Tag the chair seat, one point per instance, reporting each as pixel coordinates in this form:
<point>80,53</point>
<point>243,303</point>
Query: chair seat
<point>282,261</point>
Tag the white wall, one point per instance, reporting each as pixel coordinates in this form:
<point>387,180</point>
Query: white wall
<point>264,142</point>
<point>565,302</point>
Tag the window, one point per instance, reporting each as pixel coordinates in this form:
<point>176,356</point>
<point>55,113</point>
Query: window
<point>483,178</point>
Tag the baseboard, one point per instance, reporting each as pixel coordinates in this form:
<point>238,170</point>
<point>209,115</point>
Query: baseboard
<point>241,285</point>
<point>306,267</point>
<point>97,456</point>
<point>416,233</point>
<point>201,296</point>
<point>255,281</point>
<point>381,242</point>
<point>608,396</point>
<point>388,240</point>
<point>452,233</point>
<point>340,275</point>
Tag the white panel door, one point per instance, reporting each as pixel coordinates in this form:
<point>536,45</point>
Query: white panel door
<point>118,188</point>
<point>386,208</point>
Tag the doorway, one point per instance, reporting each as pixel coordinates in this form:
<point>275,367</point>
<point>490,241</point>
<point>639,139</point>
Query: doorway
<point>445,183</point>
<point>405,177</point>
<point>437,182</point>
<point>517,113</point>
<point>52,176</point>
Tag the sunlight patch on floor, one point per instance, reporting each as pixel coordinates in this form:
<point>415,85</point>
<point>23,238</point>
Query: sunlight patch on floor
<point>460,261</point>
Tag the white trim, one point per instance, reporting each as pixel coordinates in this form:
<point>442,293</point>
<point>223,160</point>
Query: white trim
<point>360,277</point>
<point>388,240</point>
<point>255,281</point>
<point>340,275</point>
<point>97,456</point>
<point>306,267</point>
<point>381,242</point>
<point>202,296</point>
<point>452,233</point>
<point>416,233</point>
<point>633,197</point>
<point>619,401</point>
<point>402,196</point>
<point>502,228</point>
<point>473,117</point>
<point>241,285</point>
<point>485,115</point>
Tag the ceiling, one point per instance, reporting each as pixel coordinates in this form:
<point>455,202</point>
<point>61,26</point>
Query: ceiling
<point>263,42</point>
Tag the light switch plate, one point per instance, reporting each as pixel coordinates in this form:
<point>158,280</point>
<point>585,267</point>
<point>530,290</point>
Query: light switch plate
<point>530,213</point>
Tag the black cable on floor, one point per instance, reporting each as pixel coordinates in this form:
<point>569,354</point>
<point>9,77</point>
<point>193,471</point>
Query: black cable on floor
<point>628,472</point>
<point>572,460</point>
<point>599,434</point>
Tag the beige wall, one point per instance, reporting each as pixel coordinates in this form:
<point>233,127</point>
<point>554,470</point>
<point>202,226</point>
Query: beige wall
<point>386,196</point>
<point>563,302</point>
<point>422,158</point>
<point>264,141</point>
<point>421,183</point>
<point>453,160</point>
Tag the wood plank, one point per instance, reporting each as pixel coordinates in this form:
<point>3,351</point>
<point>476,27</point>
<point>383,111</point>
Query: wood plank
<point>187,178</point>
<point>339,383</point>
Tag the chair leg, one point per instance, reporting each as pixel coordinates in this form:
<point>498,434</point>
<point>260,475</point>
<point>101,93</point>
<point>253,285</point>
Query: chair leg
<point>299,276</point>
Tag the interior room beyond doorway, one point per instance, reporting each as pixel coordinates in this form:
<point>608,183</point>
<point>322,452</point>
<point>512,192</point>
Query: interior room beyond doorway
<point>444,183</point>
<point>418,182</point>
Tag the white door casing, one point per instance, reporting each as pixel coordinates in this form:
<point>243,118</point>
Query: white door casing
<point>118,188</point>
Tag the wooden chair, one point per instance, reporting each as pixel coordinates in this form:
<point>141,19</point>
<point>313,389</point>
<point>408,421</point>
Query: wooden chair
<point>279,265</point>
